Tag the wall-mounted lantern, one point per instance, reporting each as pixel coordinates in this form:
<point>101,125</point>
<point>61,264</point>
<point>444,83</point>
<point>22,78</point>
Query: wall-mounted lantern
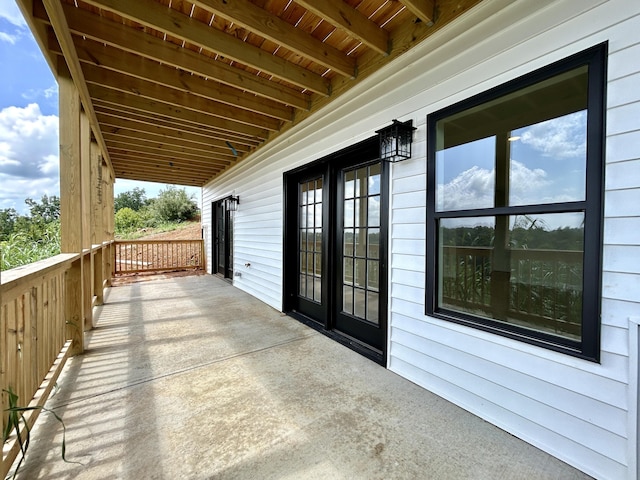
<point>395,141</point>
<point>232,203</point>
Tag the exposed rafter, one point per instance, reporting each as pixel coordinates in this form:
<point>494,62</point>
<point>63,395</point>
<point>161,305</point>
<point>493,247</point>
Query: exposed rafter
<point>351,20</point>
<point>157,16</point>
<point>179,91</point>
<point>271,27</point>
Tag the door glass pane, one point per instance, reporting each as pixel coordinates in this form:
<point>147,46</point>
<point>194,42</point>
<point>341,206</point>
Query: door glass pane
<point>362,182</point>
<point>374,211</point>
<point>373,301</point>
<point>361,245</point>
<point>374,179</point>
<point>373,245</point>
<point>348,213</point>
<point>310,246</point>
<point>349,184</point>
<point>373,276</point>
<point>360,272</point>
<point>347,299</point>
<point>359,299</point>
<point>347,276</point>
<point>349,237</point>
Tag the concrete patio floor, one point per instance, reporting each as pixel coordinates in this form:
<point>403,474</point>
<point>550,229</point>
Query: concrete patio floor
<point>191,378</point>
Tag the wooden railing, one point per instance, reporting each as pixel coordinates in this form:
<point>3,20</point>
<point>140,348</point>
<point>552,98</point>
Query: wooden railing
<point>45,308</point>
<point>35,337</point>
<point>544,288</point>
<point>135,256</point>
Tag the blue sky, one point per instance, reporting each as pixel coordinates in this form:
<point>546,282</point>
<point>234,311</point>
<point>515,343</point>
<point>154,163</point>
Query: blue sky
<point>29,119</point>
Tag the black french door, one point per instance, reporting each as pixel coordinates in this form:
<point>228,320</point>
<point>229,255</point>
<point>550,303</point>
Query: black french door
<point>222,226</point>
<point>358,239</point>
<point>335,247</point>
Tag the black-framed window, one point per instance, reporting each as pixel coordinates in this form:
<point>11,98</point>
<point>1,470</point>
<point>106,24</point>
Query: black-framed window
<point>514,207</point>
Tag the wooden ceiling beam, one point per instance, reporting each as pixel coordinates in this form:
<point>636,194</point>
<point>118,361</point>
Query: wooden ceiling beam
<point>171,96</point>
<point>169,144</point>
<point>425,10</point>
<point>134,161</point>
<point>155,15</point>
<point>153,107</point>
<point>266,25</point>
<point>99,55</point>
<point>350,20</point>
<point>162,175</point>
<point>220,148</point>
<point>109,116</point>
<point>165,150</point>
<point>86,24</point>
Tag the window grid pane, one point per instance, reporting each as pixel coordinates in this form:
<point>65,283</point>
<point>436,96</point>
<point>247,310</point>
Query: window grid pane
<point>310,208</point>
<point>361,209</point>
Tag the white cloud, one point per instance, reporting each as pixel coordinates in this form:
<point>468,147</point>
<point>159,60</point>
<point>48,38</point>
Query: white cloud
<point>10,12</point>
<point>526,184</point>
<point>6,37</point>
<point>35,94</point>
<point>474,188</point>
<point>28,143</point>
<point>563,137</point>
<point>15,190</point>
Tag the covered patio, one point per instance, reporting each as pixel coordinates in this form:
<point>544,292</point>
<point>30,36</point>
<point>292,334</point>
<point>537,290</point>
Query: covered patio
<point>192,378</point>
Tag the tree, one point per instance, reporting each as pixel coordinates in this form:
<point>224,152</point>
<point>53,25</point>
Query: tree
<point>134,199</point>
<point>127,220</point>
<point>174,205</point>
<point>47,211</point>
<point>8,218</point>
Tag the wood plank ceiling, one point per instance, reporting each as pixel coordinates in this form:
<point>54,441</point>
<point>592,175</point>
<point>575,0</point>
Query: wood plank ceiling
<point>178,91</point>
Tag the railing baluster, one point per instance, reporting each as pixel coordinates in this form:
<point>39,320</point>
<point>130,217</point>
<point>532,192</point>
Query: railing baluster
<point>132,256</point>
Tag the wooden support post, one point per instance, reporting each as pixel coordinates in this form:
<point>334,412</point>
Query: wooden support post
<point>71,203</point>
<point>98,276</point>
<point>70,178</point>
<point>73,307</point>
<point>85,193</point>
<point>87,289</point>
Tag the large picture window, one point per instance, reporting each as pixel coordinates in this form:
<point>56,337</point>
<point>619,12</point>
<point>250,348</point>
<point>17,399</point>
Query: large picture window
<point>514,207</point>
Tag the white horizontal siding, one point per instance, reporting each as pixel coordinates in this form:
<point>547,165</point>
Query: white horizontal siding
<point>623,146</point>
<point>577,410</point>
<point>567,402</point>
<point>403,363</point>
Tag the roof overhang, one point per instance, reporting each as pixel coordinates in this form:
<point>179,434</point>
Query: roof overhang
<point>179,91</point>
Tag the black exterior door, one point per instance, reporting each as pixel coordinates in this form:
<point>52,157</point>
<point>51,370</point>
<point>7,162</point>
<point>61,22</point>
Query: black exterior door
<point>222,238</point>
<point>358,276</point>
<point>307,249</point>
<point>335,247</point>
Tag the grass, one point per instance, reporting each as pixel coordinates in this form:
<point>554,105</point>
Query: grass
<point>21,248</point>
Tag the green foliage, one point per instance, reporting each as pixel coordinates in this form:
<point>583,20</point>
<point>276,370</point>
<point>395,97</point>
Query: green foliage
<point>48,210</point>
<point>15,416</point>
<point>8,217</point>
<point>174,205</point>
<point>37,242</point>
<point>127,220</point>
<point>134,199</point>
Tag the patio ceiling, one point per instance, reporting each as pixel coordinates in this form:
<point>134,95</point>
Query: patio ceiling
<point>178,91</point>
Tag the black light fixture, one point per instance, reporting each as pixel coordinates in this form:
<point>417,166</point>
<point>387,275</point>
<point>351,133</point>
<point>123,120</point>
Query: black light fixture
<point>232,203</point>
<point>395,141</point>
